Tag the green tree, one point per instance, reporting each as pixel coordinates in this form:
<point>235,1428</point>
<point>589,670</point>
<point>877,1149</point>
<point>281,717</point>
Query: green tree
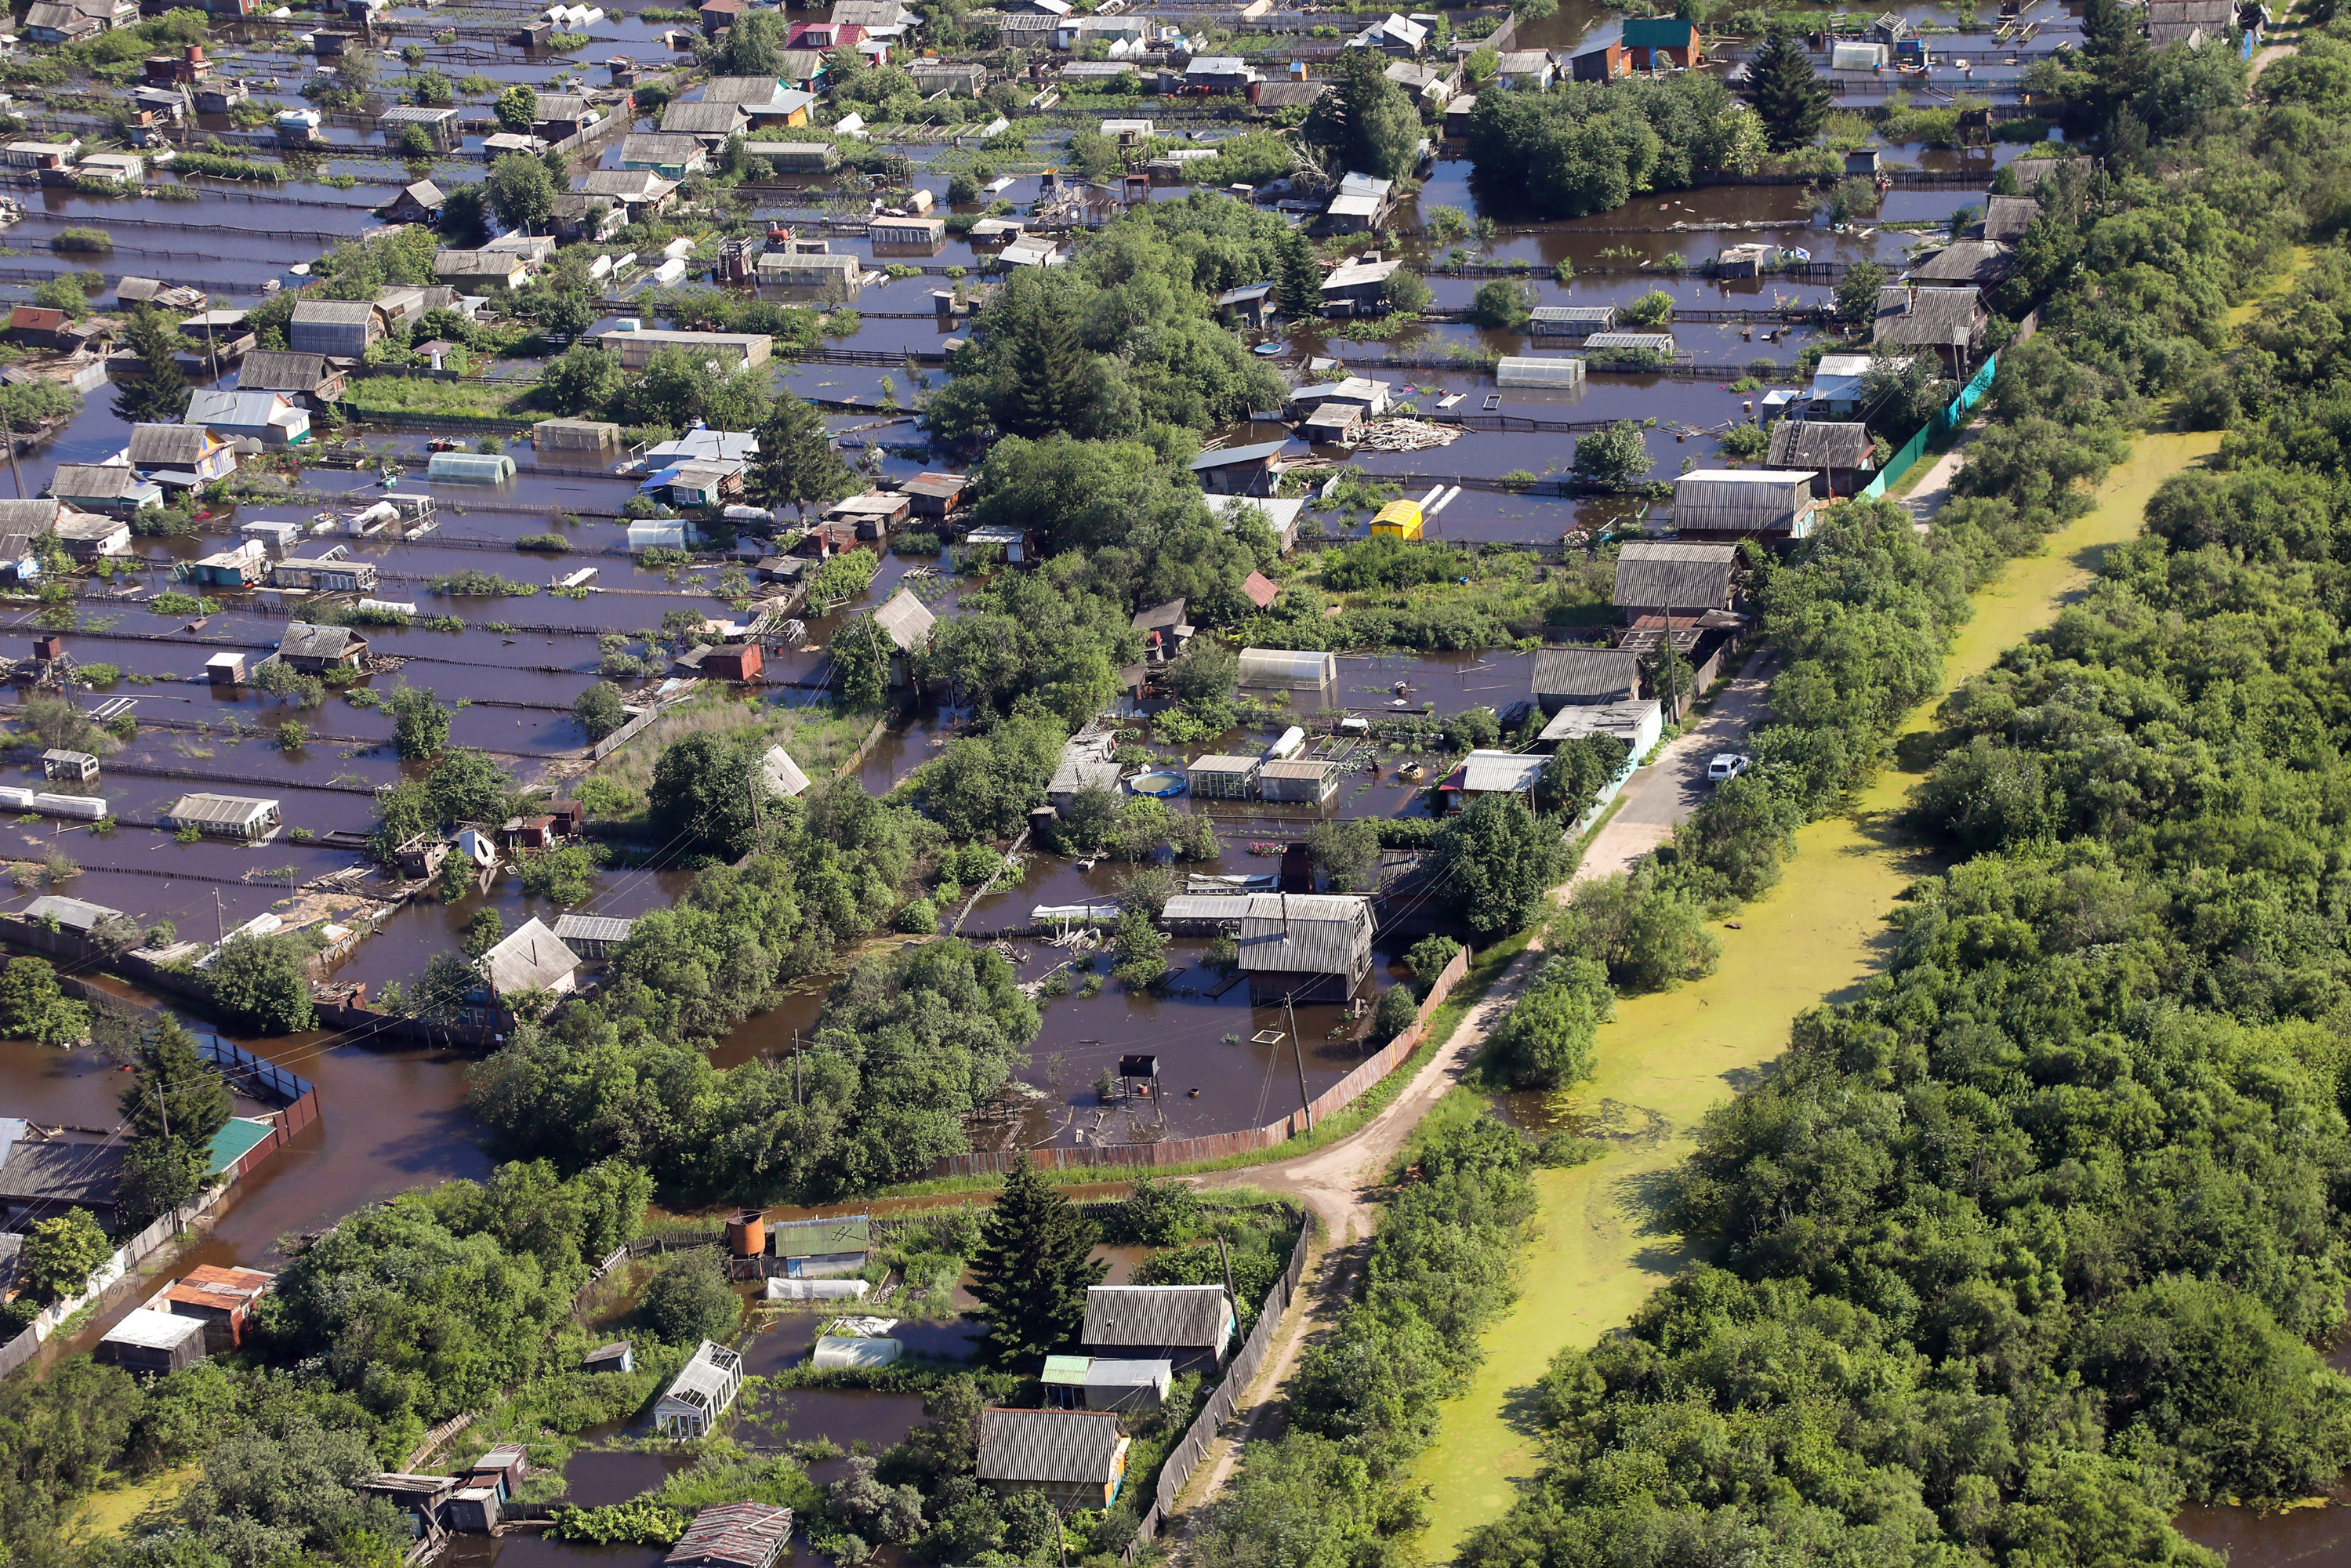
<point>861,663</point>
<point>1033,1269</point>
<point>798,466</point>
<point>1787,93</point>
<point>520,188</point>
<point>517,109</point>
<point>1048,385</point>
<point>687,1300</point>
<point>1494,862</point>
<point>1298,279</point>
<point>1856,292</point>
<point>175,1092</point>
<point>1503,305</point>
<point>1426,961</point>
<point>751,47</point>
<point>60,1255</point>
<point>420,723</point>
<point>584,378</point>
<point>263,982</point>
<point>1367,120</point>
<point>1142,952</point>
<point>63,292</point>
<point>702,790</point>
<point>1546,1040</point>
<point>33,1006</point>
<point>158,1176</point>
<point>159,393</point>
<point>484,930</point>
<point>599,710</point>
<point>466,785</point>
<point>1347,853</point>
<point>1615,458</point>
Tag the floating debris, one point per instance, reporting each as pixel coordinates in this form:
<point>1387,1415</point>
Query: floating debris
<point>1406,436</point>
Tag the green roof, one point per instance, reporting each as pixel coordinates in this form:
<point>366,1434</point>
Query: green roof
<point>820,1238</point>
<point>1657,33</point>
<point>237,1140</point>
<point>1068,1369</point>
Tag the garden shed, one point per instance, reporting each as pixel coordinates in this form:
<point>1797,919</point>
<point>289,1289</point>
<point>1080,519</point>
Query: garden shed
<point>1073,1458</point>
<point>1563,676</point>
<point>152,1343</point>
<point>1307,948</point>
<point>1776,505</point>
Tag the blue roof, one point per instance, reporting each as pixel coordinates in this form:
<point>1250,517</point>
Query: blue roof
<point>1658,31</point>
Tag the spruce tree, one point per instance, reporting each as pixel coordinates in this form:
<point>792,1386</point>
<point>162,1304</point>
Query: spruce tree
<point>1033,1268</point>
<point>1297,279</point>
<point>1786,92</point>
<point>160,394</point>
<point>1045,377</point>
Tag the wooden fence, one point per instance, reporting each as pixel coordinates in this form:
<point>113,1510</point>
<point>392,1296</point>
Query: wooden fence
<point>1225,1403</point>
<point>1248,1140</point>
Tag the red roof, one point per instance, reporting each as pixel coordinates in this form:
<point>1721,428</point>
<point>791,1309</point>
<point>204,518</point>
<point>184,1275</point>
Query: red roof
<point>35,318</point>
<point>1260,592</point>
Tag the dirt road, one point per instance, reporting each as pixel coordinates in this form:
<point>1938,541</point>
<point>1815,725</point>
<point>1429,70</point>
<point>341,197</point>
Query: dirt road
<point>1338,1182</point>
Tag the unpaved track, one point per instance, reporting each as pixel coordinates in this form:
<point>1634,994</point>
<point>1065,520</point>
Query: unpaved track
<point>1338,1181</point>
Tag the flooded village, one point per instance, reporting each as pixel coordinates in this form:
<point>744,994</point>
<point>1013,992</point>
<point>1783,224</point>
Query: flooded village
<point>551,555</point>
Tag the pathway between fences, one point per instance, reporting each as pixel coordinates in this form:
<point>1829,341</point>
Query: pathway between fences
<point>1225,1403</point>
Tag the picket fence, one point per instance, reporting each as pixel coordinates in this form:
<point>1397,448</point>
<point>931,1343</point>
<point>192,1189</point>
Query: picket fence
<point>1248,1140</point>
<point>1225,1403</point>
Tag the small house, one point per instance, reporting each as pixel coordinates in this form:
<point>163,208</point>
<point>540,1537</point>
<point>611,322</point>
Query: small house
<point>1073,1458</point>
<point>1532,69</point>
<point>1459,111</point>
<point>733,1535</point>
<point>2007,218</point>
<point>733,661</point>
<point>502,271</point>
<point>1189,1321</point>
<point>305,378</point>
<point>1398,521</point>
<point>1368,396</point>
<point>421,856</point>
<point>314,649</point>
<point>1951,321</point>
<point>1253,306</point>
<point>1217,73</point>
<point>640,191</point>
<point>616,1356</point>
<point>188,451</point>
<point>703,1391</point>
<point>1661,43</point>
<point>1165,630</point>
<point>1839,388</point>
<point>420,202</point>
<point>1112,1384</point>
<point>112,489</point>
<point>1844,455</point>
<point>1237,470</point>
<point>934,494</point>
<point>906,621</point>
<point>1600,62</point>
<point>339,329</point>
<point>530,959</point>
<point>218,1298</point>
<point>1776,506</point>
<point>224,670</point>
<point>875,512</point>
<point>670,157</point>
<point>1358,286</point>
<point>1393,35</point>
<point>271,419</point>
<point>72,766</point>
<point>820,1249</point>
<point>1489,772</point>
<point>237,817</point>
<point>1431,87</point>
<point>1306,947</point>
<point>710,123</point>
<point>68,1169</point>
<point>1362,203</point>
<point>330,573</point>
<point>1978,262</point>
<point>150,1343</point>
<point>1573,676</point>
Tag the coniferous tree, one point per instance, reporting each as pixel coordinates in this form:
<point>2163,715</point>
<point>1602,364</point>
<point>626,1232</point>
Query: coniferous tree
<point>1786,92</point>
<point>160,395</point>
<point>798,466</point>
<point>1046,387</point>
<point>1366,118</point>
<point>1297,282</point>
<point>1033,1268</point>
<point>174,1105</point>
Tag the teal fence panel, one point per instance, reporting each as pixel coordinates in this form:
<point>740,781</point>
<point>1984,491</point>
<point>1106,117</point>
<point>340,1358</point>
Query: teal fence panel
<point>1949,419</point>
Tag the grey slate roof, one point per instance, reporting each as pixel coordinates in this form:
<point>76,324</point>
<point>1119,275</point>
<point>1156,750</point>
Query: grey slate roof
<point>94,480</point>
<point>905,621</point>
<point>333,312</point>
<point>1163,1314</point>
<point>63,1173</point>
<point>1586,672</point>
<point>1928,318</point>
<point>304,641</point>
<point>274,369</point>
<point>31,516</point>
<point>1812,444</point>
<point>74,913</point>
<point>1658,573</point>
<point>530,959</point>
<point>1977,261</point>
<point>155,446</point>
<point>703,119</point>
<point>1047,1446</point>
<point>2007,218</point>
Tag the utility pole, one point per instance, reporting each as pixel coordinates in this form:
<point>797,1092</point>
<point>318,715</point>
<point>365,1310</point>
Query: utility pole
<point>220,922</point>
<point>8,423</point>
<point>1297,1054</point>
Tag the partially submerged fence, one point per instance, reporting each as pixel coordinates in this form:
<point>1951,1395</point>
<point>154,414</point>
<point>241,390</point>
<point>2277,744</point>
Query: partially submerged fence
<point>1248,1140</point>
<point>1225,1403</point>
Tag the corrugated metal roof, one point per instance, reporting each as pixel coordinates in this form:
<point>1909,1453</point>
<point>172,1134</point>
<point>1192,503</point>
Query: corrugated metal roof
<point>570,928</point>
<point>148,1329</point>
<point>1069,1370</point>
<point>1066,1446</point>
<point>905,621</point>
<point>1656,572</point>
<point>1189,1316</point>
<point>74,913</point>
<point>733,1535</point>
<point>1742,500</point>
<point>1186,908</point>
<point>1498,773</point>
<point>1808,443</point>
<point>1303,934</point>
<point>1106,1372</point>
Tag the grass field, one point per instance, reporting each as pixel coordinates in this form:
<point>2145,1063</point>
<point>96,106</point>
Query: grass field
<point>1668,1057</point>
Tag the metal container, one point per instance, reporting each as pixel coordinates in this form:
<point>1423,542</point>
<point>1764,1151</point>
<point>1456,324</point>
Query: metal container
<point>746,1233</point>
